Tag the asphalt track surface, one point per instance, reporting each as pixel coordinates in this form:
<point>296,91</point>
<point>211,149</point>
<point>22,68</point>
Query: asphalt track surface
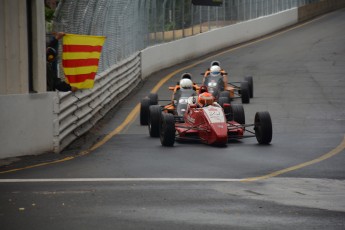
<point>117,177</point>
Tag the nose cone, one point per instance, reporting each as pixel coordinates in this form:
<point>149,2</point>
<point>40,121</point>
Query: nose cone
<point>220,133</point>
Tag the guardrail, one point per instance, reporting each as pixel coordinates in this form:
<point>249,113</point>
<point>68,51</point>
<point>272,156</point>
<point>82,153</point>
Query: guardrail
<point>76,113</point>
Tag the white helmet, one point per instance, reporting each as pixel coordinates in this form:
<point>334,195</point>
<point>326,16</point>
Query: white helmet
<point>186,75</point>
<point>215,70</point>
<point>215,63</point>
<point>186,83</point>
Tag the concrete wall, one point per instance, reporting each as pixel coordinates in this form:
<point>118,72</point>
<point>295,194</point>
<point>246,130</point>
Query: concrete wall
<point>165,55</point>
<point>38,34</point>
<point>309,11</point>
<point>26,124</point>
<point>13,47</point>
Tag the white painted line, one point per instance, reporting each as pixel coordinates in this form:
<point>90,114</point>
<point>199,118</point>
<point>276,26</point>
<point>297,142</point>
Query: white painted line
<point>119,180</point>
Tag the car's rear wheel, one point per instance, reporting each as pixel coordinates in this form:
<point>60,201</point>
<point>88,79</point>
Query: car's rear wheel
<point>153,98</point>
<point>249,79</point>
<point>245,96</point>
<point>167,129</point>
<point>227,109</point>
<point>223,100</point>
<point>224,94</point>
<point>263,127</point>
<point>144,111</point>
<point>237,113</point>
<point>154,120</point>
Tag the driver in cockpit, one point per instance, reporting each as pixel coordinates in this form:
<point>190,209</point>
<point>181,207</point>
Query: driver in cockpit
<point>216,70</point>
<point>185,87</point>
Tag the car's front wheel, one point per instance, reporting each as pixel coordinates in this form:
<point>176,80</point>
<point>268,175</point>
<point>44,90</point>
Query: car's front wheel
<point>245,95</point>
<point>167,130</point>
<point>249,79</point>
<point>144,111</point>
<point>238,113</point>
<point>263,127</point>
<point>154,120</point>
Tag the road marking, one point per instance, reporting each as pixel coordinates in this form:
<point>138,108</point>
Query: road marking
<point>134,113</point>
<point>330,154</point>
<point>118,180</point>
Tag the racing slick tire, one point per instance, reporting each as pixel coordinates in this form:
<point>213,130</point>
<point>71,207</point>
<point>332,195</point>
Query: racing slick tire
<point>245,95</point>
<point>224,94</point>
<point>223,100</point>
<point>154,120</point>
<point>167,129</point>
<point>263,127</point>
<point>249,79</point>
<point>153,98</point>
<point>237,113</point>
<point>227,109</point>
<point>144,111</point>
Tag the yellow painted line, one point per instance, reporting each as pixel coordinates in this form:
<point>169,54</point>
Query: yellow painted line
<point>134,113</point>
<point>38,165</point>
<point>330,154</point>
<point>131,117</point>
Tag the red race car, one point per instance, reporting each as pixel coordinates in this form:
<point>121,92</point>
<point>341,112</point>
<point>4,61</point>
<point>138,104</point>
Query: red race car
<point>212,124</point>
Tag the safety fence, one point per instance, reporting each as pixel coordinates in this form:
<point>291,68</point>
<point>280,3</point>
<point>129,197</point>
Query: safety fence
<point>133,25</point>
<point>76,113</point>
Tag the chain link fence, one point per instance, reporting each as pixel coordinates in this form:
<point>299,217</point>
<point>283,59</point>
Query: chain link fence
<point>132,25</point>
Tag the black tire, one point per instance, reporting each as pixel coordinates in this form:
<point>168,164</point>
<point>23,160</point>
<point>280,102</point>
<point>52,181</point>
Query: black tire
<point>227,110</point>
<point>153,98</point>
<point>245,96</point>
<point>154,120</point>
<point>167,129</point>
<point>144,111</point>
<point>238,113</point>
<point>224,94</point>
<point>249,79</point>
<point>223,100</point>
<point>263,127</point>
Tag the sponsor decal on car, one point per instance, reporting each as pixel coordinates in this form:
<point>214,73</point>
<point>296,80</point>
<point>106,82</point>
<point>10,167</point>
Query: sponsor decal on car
<point>215,114</point>
<point>191,119</point>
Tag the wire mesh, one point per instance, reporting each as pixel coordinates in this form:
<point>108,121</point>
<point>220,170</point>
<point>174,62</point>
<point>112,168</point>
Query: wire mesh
<point>132,25</point>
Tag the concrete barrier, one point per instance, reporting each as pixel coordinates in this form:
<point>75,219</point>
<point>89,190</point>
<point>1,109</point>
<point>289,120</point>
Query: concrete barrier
<point>164,55</point>
<point>313,10</point>
<point>26,124</point>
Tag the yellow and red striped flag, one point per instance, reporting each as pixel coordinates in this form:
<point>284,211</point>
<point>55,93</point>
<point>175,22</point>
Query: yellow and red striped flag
<point>80,59</point>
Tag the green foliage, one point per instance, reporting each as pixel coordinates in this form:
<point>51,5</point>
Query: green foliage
<point>49,14</point>
<point>170,26</point>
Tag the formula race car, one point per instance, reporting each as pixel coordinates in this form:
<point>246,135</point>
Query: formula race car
<point>211,124</point>
<point>214,80</point>
<point>184,89</point>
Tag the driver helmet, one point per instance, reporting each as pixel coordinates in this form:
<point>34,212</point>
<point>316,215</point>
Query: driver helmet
<point>215,63</point>
<point>203,89</point>
<point>186,83</point>
<point>205,99</point>
<point>215,70</point>
<point>51,54</point>
<point>187,76</point>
